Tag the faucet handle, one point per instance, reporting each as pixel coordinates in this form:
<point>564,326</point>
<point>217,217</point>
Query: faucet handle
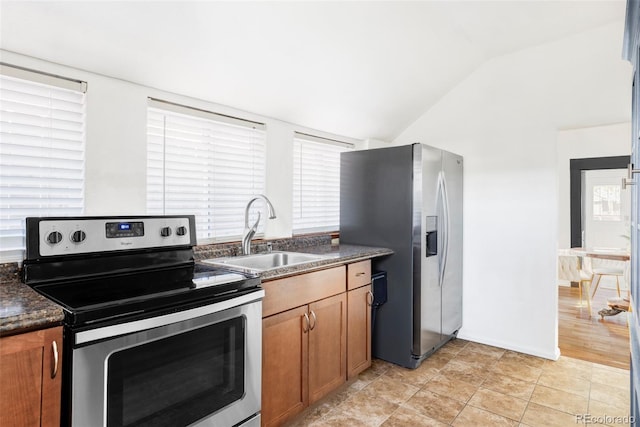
<point>254,227</point>
<point>248,235</point>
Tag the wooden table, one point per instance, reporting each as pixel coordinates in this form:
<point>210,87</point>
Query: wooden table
<point>613,254</point>
<point>616,305</point>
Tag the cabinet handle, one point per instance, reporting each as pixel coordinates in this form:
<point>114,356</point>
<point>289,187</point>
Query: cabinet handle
<point>369,298</point>
<point>54,352</point>
<point>306,318</point>
<point>315,320</point>
<point>362,273</point>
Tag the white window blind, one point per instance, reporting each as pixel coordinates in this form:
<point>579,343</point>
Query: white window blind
<point>316,183</point>
<point>204,164</point>
<point>42,138</point>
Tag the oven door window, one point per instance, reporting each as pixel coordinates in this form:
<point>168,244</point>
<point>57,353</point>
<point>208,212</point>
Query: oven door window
<point>178,380</point>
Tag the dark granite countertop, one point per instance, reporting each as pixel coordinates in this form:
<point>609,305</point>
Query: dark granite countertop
<point>21,308</point>
<point>332,256</point>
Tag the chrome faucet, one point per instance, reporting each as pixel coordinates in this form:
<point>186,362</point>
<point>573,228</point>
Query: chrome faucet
<point>251,231</point>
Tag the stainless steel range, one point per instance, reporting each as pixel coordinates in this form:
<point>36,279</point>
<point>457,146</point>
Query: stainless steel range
<point>152,338</point>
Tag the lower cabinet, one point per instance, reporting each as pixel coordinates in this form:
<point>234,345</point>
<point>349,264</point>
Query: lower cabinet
<point>285,361</point>
<point>315,333</point>
<point>303,357</point>
<point>30,375</point>
<point>327,346</point>
<point>359,301</point>
<point>359,330</point>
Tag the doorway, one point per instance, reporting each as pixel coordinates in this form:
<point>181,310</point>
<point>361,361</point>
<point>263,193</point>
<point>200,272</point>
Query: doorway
<point>599,211</point>
<point>578,167</point>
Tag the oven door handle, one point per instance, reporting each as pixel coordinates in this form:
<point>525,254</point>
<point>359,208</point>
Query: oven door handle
<point>84,337</point>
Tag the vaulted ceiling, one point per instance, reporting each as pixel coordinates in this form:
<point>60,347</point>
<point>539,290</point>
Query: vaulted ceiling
<point>355,68</point>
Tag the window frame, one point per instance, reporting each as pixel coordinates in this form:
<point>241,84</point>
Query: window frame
<point>45,144</point>
<point>209,228</point>
<point>316,143</point>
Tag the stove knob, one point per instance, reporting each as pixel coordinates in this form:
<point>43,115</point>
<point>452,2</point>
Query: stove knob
<point>78,236</point>
<point>165,231</point>
<point>54,237</point>
<point>181,231</point>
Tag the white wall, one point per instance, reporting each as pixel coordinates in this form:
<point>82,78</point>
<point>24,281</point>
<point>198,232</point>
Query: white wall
<point>503,119</point>
<point>597,141</point>
<point>115,168</point>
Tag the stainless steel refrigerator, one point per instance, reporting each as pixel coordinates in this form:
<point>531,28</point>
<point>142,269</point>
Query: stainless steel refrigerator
<point>409,199</point>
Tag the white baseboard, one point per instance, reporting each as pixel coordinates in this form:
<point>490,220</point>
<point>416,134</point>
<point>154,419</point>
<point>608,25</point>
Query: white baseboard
<point>551,355</point>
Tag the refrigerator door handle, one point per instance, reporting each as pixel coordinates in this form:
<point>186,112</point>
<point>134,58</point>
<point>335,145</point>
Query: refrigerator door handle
<point>445,231</point>
<point>441,226</point>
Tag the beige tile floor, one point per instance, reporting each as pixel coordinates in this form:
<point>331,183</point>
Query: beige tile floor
<point>469,384</point>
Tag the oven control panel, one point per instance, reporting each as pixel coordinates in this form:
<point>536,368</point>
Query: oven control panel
<point>61,236</point>
<point>127,229</point>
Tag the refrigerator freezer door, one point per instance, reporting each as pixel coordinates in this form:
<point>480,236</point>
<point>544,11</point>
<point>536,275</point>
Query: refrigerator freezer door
<point>376,209</point>
<point>452,278</point>
<point>389,198</point>
<point>428,196</point>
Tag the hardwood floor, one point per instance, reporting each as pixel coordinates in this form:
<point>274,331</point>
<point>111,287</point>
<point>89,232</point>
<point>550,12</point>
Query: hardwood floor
<point>592,339</point>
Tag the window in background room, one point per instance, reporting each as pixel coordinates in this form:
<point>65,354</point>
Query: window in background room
<point>204,164</point>
<point>316,183</point>
<point>606,203</point>
<point>607,209</point>
<point>42,148</point>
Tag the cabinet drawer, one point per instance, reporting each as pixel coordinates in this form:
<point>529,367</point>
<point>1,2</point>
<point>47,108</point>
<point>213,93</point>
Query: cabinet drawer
<point>358,274</point>
<point>290,292</point>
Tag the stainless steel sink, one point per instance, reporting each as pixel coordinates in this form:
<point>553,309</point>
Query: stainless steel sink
<point>263,262</point>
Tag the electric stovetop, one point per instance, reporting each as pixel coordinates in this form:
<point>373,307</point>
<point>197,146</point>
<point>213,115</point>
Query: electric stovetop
<point>88,300</point>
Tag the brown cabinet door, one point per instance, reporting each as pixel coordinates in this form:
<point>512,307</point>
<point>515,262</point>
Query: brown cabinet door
<point>284,365</point>
<point>358,330</point>
<point>31,378</point>
<point>327,345</point>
